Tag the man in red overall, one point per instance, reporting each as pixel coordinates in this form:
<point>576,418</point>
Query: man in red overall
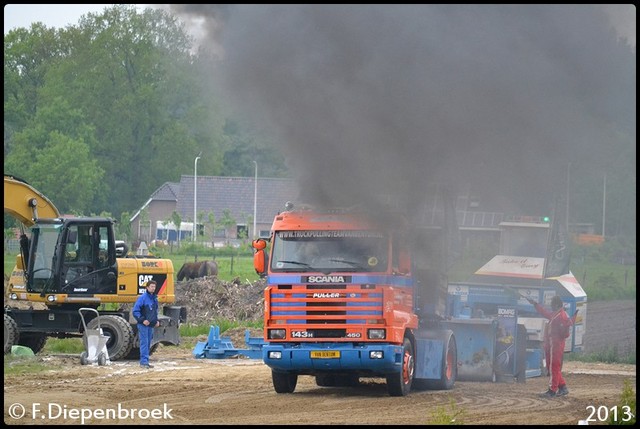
<point>557,331</point>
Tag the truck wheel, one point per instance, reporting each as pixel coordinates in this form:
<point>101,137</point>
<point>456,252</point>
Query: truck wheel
<point>325,380</point>
<point>34,341</point>
<point>135,352</point>
<point>449,365</point>
<point>11,333</point>
<point>337,380</point>
<point>284,382</point>
<point>120,335</point>
<point>399,383</point>
<point>349,381</point>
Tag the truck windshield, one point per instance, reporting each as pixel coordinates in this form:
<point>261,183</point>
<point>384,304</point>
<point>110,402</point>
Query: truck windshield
<point>329,251</point>
<point>41,262</point>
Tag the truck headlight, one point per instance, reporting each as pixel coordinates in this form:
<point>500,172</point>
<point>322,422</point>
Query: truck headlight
<point>275,355</point>
<point>276,334</point>
<point>51,298</point>
<point>376,334</point>
<point>376,354</point>
<point>13,296</point>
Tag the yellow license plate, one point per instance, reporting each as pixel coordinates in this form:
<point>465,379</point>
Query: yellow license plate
<point>325,354</point>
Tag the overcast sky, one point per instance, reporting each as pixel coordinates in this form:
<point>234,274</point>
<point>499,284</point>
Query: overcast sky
<point>61,15</point>
<point>52,15</point>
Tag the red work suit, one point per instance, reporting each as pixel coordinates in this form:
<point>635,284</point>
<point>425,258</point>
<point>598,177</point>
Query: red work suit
<point>554,343</point>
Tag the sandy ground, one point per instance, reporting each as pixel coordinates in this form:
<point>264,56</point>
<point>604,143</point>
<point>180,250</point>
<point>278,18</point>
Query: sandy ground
<point>183,390</point>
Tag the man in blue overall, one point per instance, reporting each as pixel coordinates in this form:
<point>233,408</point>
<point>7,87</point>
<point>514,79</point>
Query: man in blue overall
<point>145,311</point>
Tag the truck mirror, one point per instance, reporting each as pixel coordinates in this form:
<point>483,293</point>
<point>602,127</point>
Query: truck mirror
<point>260,262</point>
<point>259,244</point>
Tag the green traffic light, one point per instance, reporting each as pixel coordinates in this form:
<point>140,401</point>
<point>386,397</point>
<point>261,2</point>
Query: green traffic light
<point>546,219</point>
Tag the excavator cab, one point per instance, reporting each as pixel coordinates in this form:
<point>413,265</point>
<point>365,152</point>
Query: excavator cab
<point>69,263</point>
<point>69,256</point>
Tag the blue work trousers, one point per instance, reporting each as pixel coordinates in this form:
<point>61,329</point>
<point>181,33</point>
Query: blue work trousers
<point>145,334</point>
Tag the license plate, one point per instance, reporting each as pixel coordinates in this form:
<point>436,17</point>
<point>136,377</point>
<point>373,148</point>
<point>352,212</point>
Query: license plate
<point>325,354</point>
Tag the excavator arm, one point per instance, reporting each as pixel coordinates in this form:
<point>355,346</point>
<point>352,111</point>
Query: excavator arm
<point>25,203</point>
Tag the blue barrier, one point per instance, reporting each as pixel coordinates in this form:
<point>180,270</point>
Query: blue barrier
<point>217,347</point>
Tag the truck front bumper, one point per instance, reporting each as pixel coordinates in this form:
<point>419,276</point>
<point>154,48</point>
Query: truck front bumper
<point>310,358</point>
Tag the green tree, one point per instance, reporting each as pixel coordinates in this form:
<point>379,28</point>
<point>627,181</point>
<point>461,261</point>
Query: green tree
<point>227,221</point>
<point>177,221</point>
<point>131,77</point>
<point>211,222</point>
<point>53,153</point>
<point>28,55</point>
<point>123,228</point>
<point>243,146</point>
<point>71,174</point>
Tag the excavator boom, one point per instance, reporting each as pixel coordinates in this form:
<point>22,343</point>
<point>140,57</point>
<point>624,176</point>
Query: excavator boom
<point>72,262</point>
<point>25,203</point>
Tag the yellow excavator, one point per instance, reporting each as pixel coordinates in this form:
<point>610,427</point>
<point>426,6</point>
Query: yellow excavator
<point>67,263</point>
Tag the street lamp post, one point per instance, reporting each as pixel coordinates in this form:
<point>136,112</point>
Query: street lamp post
<point>604,200</point>
<point>255,198</point>
<point>195,195</point>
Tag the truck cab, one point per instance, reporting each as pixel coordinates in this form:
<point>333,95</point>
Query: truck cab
<point>340,304</point>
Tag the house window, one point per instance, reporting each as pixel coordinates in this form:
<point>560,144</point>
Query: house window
<point>264,233</point>
<point>242,231</point>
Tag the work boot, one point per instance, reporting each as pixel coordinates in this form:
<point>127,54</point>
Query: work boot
<point>562,390</point>
<point>146,366</point>
<point>548,394</point>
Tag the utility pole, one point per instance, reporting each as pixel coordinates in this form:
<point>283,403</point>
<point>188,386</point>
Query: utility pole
<point>604,201</point>
<point>195,196</point>
<point>255,199</point>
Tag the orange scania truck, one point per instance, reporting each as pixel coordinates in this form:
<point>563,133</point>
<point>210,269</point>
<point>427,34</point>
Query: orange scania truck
<point>345,301</point>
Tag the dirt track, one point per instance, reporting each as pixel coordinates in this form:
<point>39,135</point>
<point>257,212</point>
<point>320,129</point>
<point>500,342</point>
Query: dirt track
<point>239,391</point>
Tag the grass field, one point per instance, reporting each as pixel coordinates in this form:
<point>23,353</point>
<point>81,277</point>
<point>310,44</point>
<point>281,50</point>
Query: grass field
<point>601,280</point>
<point>228,267</point>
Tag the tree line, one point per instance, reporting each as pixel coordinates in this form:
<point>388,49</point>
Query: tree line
<point>98,115</point>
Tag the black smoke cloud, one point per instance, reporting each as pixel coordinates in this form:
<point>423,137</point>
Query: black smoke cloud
<point>489,100</point>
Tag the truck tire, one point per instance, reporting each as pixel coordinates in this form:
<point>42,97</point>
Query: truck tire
<point>135,352</point>
<point>449,365</point>
<point>337,380</point>
<point>284,382</point>
<point>11,333</point>
<point>120,335</point>
<point>34,340</point>
<point>325,380</point>
<point>399,383</point>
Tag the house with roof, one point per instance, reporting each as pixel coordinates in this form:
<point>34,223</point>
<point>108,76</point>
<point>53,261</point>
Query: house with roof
<point>225,211</point>
<point>229,201</point>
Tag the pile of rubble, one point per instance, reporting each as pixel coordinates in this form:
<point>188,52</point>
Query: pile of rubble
<point>209,298</point>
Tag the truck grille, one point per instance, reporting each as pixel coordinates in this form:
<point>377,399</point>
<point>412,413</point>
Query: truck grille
<point>325,311</point>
